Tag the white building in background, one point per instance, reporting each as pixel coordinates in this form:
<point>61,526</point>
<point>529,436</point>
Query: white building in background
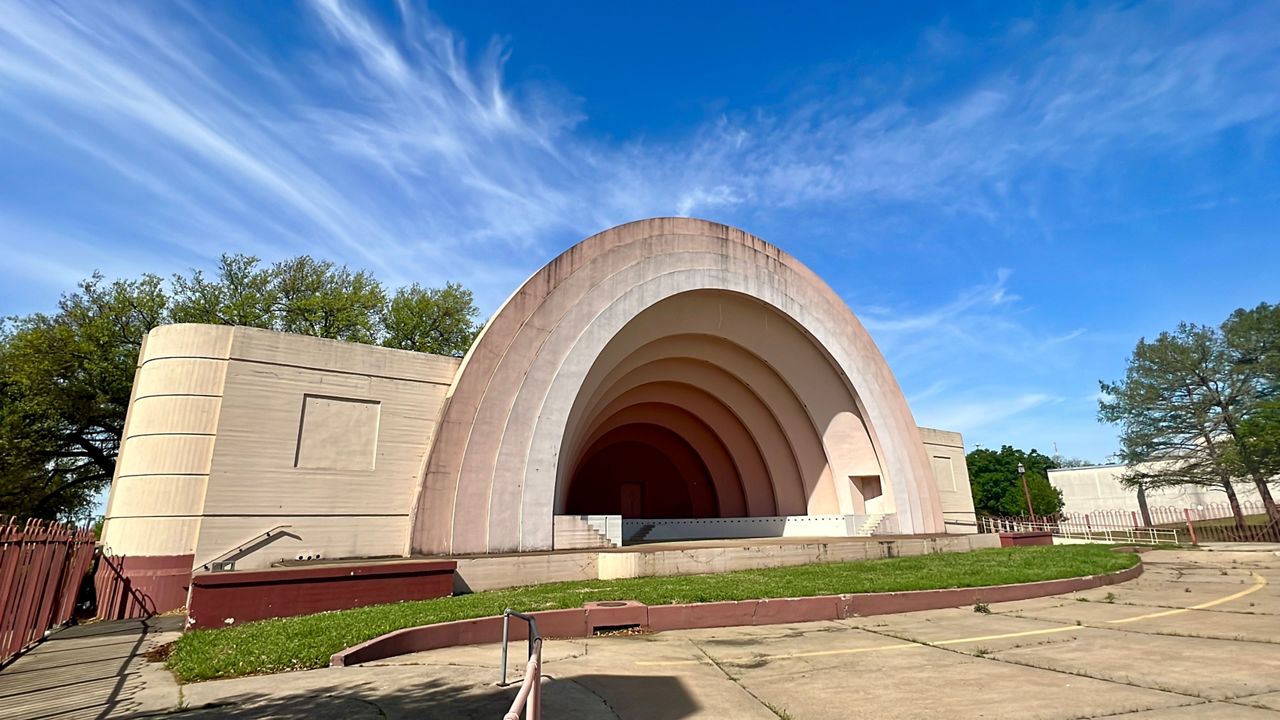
<point>1097,488</point>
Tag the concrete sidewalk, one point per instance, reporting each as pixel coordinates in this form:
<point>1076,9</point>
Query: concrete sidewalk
<point>1198,636</point>
<point>92,671</point>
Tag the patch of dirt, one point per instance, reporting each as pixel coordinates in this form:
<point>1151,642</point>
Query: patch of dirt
<point>160,653</point>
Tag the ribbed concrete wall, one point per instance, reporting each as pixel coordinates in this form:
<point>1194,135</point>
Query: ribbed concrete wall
<point>157,495</point>
<point>235,431</point>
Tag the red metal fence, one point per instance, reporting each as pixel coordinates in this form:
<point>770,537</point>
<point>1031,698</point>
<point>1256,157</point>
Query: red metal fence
<point>41,566</point>
<point>136,587</point>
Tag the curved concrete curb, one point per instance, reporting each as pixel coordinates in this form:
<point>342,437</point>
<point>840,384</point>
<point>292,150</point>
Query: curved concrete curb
<point>584,621</point>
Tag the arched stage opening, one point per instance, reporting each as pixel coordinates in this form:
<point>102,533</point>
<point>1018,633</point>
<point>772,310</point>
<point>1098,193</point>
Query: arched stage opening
<point>670,368</point>
<point>770,420</point>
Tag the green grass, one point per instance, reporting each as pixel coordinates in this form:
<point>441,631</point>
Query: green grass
<point>299,643</point>
<point>1250,521</point>
<point>1224,530</point>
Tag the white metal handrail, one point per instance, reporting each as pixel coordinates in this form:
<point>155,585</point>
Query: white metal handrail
<point>217,564</point>
<point>530,693</point>
<point>1069,530</point>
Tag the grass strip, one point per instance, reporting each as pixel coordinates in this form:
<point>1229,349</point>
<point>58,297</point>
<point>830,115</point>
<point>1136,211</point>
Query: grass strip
<point>304,642</point>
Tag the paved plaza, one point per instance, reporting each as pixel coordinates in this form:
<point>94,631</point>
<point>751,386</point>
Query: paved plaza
<point>1197,636</point>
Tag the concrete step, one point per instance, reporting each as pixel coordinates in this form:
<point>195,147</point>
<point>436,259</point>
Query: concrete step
<point>870,525</point>
<point>571,532</point>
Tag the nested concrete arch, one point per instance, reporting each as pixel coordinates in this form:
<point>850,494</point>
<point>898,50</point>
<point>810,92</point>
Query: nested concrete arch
<point>661,459</point>
<point>802,439</point>
<point>753,492</point>
<point>821,414</point>
<point>772,486</point>
<point>496,458</point>
<point>721,462</point>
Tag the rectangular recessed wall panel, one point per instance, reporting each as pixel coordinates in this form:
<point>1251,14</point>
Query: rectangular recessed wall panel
<point>944,472</point>
<point>337,433</point>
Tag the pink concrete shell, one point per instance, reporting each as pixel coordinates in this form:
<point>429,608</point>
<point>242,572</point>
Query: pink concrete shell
<point>675,313</point>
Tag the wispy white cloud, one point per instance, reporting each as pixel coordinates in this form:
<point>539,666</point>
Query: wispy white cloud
<point>982,327</point>
<point>389,147</point>
<point>978,414</point>
<point>179,134</point>
<point>997,366</point>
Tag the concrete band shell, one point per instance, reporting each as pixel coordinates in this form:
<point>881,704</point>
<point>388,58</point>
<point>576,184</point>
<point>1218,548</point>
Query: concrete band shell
<point>529,395</point>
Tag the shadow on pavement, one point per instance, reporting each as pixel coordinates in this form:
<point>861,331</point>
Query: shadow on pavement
<point>583,697</point>
<point>86,671</point>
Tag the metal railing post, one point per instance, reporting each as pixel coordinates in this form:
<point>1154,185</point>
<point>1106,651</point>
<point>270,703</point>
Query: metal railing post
<point>506,633</point>
<point>530,694</point>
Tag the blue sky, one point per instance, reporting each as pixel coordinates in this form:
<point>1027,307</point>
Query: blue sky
<point>1008,200</point>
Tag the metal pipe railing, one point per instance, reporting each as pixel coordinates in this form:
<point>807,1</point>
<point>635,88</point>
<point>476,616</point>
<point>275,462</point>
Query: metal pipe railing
<point>530,693</point>
<point>1071,529</point>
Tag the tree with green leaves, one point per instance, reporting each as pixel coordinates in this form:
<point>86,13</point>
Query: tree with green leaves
<point>431,320</point>
<point>1252,340</point>
<point>997,488</point>
<point>1192,407</point>
<point>65,378</point>
<point>64,389</point>
<point>1062,461</point>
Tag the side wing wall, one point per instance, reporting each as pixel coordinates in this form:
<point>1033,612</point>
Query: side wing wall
<point>254,447</point>
<point>946,456</point>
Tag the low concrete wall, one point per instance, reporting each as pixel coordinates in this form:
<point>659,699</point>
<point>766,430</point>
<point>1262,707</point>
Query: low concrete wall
<point>663,529</point>
<point>583,622</point>
<point>234,598</point>
<point>504,571</point>
<point>698,560</point>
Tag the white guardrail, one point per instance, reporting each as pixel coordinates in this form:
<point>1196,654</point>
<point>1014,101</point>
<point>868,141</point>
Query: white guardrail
<point>1075,531</point>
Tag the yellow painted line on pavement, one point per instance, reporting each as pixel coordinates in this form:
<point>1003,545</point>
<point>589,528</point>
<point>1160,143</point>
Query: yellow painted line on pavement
<point>1259,582</point>
<point>1024,633</point>
<point>877,648</point>
<point>816,653</point>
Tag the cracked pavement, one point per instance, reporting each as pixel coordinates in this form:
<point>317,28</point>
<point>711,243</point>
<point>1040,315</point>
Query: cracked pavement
<point>1197,636</point>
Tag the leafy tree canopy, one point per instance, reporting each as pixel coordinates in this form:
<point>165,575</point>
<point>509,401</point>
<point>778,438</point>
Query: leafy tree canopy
<point>1063,461</point>
<point>65,377</point>
<point>997,489</point>
<point>1197,405</point>
<point>430,320</point>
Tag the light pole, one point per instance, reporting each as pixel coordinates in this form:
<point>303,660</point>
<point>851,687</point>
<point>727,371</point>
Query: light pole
<point>1022,475</point>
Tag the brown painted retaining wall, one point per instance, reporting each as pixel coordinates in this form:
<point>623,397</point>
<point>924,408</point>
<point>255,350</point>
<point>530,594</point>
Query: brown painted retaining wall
<point>582,622</point>
<point>233,598</point>
<point>1025,538</point>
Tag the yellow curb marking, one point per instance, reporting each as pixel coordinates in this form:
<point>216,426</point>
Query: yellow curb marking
<point>1259,582</point>
<point>1025,633</point>
<point>816,653</point>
